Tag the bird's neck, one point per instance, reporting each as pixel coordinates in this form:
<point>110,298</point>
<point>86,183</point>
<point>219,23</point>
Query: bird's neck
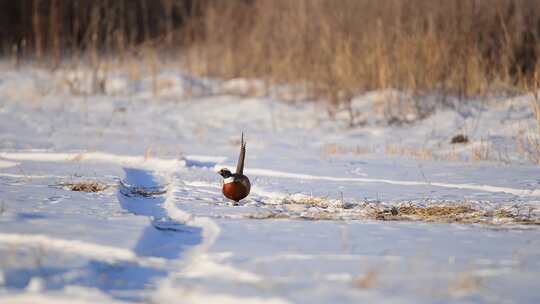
<point>228,180</point>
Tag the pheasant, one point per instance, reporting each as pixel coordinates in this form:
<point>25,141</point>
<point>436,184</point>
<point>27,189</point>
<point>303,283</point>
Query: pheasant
<point>236,186</point>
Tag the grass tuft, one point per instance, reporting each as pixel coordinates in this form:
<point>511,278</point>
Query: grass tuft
<point>429,213</point>
<point>84,186</point>
<point>307,200</point>
<point>461,213</point>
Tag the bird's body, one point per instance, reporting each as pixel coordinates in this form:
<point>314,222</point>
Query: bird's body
<point>236,186</point>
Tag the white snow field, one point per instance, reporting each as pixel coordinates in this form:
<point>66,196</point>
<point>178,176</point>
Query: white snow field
<point>161,232</point>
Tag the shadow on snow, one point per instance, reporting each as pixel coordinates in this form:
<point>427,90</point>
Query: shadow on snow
<point>142,193</point>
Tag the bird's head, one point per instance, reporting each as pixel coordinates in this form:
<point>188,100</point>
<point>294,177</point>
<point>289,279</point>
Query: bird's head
<point>225,173</point>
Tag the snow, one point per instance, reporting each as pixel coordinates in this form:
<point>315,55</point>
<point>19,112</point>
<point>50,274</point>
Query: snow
<point>162,232</point>
<point>485,188</point>
<point>7,164</point>
<point>71,247</point>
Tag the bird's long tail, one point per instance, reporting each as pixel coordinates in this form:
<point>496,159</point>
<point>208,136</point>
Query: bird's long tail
<point>240,165</point>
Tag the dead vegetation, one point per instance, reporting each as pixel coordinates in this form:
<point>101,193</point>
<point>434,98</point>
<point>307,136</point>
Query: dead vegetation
<point>481,150</point>
<point>421,47</point>
<point>459,213</point>
<point>88,186</point>
<point>332,149</point>
<point>316,208</point>
<point>330,50</point>
<point>428,213</point>
<point>476,151</point>
<point>533,141</point>
<point>412,152</point>
<point>434,211</point>
<point>307,201</point>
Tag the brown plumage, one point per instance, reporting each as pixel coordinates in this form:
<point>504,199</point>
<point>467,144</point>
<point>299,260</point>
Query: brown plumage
<point>236,185</point>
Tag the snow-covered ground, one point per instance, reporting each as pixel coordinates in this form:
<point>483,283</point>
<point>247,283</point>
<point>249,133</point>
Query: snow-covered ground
<point>308,233</point>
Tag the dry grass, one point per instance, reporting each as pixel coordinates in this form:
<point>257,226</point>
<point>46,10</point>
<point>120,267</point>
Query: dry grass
<point>533,142</point>
<point>421,46</point>
<point>330,50</point>
<point>89,186</point>
<point>416,153</point>
<point>307,201</point>
<point>478,151</point>
<point>338,149</point>
<point>428,214</point>
<point>316,208</point>
<point>435,211</point>
<point>481,151</point>
<point>534,152</point>
<point>463,213</point>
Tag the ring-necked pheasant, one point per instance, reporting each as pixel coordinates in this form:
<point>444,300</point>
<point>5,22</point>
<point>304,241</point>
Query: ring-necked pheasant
<point>236,186</point>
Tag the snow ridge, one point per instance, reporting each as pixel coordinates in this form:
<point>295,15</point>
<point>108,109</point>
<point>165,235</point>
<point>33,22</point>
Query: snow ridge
<point>170,165</point>
<point>485,188</point>
<point>102,253</point>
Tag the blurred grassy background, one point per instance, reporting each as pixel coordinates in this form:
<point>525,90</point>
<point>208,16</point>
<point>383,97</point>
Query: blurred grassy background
<point>332,49</point>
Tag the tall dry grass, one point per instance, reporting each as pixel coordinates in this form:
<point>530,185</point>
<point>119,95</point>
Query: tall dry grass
<point>532,142</point>
<point>334,50</point>
<point>337,48</point>
<point>330,49</point>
